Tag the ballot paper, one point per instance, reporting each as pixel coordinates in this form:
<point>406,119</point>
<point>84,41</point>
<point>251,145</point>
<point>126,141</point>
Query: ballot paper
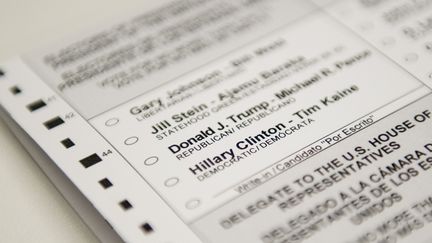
<point>277,121</point>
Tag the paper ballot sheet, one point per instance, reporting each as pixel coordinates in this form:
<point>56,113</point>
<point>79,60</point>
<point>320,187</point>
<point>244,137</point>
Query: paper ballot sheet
<point>254,121</point>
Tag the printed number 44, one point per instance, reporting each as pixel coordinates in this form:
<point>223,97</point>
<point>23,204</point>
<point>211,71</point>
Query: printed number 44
<point>106,153</point>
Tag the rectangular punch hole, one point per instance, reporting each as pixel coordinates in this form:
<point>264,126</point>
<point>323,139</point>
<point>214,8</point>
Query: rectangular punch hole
<point>68,143</point>
<point>15,90</point>
<point>147,228</point>
<point>90,160</point>
<point>105,183</point>
<point>36,105</point>
<point>125,204</point>
<point>56,121</point>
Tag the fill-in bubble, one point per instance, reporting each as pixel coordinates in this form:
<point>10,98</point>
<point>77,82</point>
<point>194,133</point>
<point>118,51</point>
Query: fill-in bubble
<point>388,41</point>
<point>193,204</point>
<point>131,140</point>
<point>151,160</point>
<point>411,57</point>
<point>112,122</point>
<point>365,26</point>
<point>170,182</point>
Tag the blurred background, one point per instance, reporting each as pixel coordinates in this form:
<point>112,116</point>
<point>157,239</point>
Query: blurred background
<point>31,209</point>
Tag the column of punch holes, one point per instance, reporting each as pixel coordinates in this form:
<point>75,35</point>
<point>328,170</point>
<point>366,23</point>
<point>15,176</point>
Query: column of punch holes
<point>69,143</point>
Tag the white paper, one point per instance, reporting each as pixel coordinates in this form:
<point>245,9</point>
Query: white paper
<point>242,121</point>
